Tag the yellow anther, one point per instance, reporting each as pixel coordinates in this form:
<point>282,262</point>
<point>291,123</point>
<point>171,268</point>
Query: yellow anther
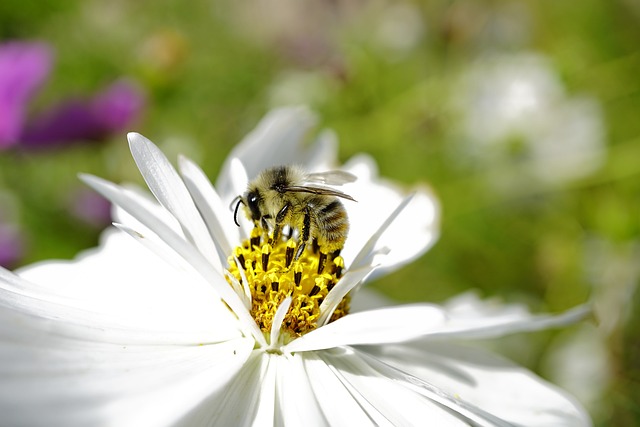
<point>266,251</point>
<point>272,274</point>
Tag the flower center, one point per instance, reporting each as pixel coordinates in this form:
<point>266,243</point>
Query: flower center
<point>272,274</point>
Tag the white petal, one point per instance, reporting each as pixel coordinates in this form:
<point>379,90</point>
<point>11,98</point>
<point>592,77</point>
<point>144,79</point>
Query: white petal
<point>411,233</point>
<point>165,183</point>
<point>237,404</point>
<point>276,325</point>
<point>276,140</point>
<point>122,283</point>
<point>385,325</point>
<point>485,381</point>
<point>468,317</point>
<point>369,249</point>
<point>335,400</point>
<point>266,405</point>
<point>295,402</point>
<point>218,218</point>
<point>396,400</point>
<point>349,281</point>
<point>322,154</point>
<point>143,196</point>
<point>80,383</point>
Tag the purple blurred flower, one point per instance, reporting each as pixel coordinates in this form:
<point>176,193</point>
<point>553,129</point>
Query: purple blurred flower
<point>24,66</point>
<point>91,208</point>
<point>11,245</point>
<point>110,111</point>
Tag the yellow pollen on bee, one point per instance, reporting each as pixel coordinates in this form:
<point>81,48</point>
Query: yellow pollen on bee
<point>272,275</point>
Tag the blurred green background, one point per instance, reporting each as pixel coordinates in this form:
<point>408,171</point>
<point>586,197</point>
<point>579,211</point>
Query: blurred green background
<point>522,115</point>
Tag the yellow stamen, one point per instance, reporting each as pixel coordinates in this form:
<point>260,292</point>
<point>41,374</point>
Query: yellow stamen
<point>273,274</point>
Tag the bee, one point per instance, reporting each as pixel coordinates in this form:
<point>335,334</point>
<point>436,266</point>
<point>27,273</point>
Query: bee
<point>288,196</point>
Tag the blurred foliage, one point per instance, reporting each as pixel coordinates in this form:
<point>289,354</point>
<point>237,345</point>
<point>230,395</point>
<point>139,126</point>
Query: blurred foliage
<point>383,75</point>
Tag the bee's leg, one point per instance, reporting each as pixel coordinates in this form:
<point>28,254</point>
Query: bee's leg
<point>263,222</point>
<point>301,247</point>
<point>264,225</point>
<point>279,219</point>
<point>315,246</point>
<point>324,257</point>
<point>322,260</point>
<point>332,256</point>
<point>255,237</point>
<point>304,233</point>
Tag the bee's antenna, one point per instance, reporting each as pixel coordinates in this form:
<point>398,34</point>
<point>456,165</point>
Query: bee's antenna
<point>237,201</point>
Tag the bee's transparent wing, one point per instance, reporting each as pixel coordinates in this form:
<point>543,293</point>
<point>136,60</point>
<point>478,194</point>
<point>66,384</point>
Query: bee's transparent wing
<point>334,177</point>
<point>318,190</point>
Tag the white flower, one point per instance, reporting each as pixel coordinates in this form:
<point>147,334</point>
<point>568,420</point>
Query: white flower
<point>515,111</point>
<point>159,333</point>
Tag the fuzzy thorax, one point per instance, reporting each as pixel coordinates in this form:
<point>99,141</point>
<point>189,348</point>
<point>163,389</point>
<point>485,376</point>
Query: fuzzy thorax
<point>272,274</point>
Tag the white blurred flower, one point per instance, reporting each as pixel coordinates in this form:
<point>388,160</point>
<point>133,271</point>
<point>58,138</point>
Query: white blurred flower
<point>158,333</point>
<point>516,115</point>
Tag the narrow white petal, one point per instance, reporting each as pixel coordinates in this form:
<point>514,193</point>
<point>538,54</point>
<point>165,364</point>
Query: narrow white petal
<point>295,402</point>
<point>386,325</point>
<point>165,183</point>
<point>240,289</point>
<point>334,399</point>
<point>368,250</point>
<point>482,380</point>
<point>468,317</point>
<point>245,284</point>
<point>282,310</point>
<point>144,197</point>
<point>218,218</point>
<point>266,405</point>
<point>420,216</point>
<point>138,207</point>
<point>349,281</point>
<point>413,232</point>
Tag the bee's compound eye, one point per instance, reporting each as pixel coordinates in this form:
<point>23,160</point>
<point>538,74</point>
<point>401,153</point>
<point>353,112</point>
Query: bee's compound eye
<point>253,200</point>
